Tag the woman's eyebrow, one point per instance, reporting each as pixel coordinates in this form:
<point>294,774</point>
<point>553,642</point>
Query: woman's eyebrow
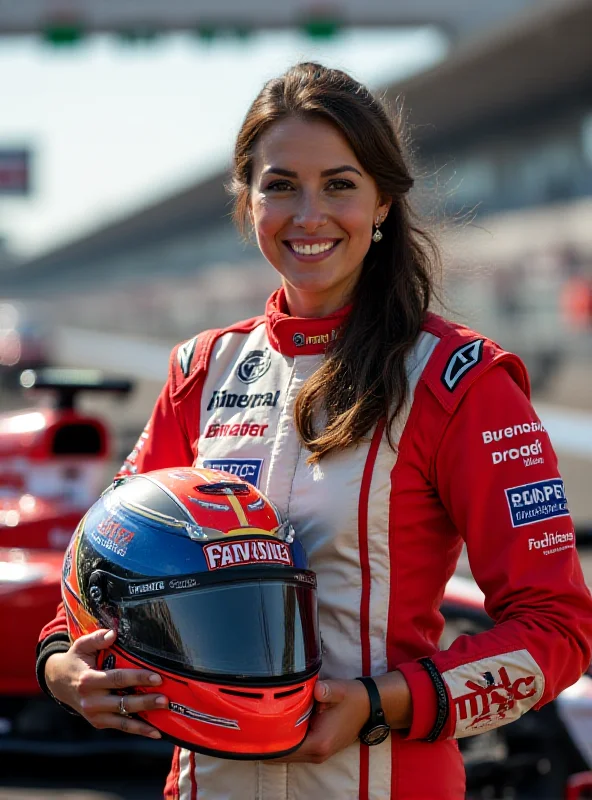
<point>336,170</point>
<point>288,173</point>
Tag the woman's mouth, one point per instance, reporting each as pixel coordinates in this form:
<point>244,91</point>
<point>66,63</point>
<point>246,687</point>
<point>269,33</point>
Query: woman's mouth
<point>312,251</point>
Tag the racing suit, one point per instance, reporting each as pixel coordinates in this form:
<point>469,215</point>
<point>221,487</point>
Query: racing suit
<point>383,529</point>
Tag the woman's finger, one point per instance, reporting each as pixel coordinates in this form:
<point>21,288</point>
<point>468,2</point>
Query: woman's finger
<point>124,704</point>
<point>92,643</point>
<point>94,679</point>
<point>125,724</point>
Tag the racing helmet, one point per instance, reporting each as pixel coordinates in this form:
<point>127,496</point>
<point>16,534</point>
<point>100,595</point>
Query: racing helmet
<point>205,583</point>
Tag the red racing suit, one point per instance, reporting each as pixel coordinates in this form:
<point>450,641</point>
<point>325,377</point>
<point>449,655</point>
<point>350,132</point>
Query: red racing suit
<point>383,529</point>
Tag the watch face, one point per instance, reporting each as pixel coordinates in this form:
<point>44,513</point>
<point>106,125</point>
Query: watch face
<point>375,735</point>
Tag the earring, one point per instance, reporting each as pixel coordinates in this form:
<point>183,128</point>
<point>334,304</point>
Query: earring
<point>377,235</point>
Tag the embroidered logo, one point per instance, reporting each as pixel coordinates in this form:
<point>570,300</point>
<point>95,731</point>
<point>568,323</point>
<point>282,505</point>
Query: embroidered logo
<point>247,551</point>
<point>460,362</point>
<point>534,502</point>
<point>248,469</point>
<point>185,355</point>
<point>254,366</point>
<point>493,701</point>
<point>493,691</point>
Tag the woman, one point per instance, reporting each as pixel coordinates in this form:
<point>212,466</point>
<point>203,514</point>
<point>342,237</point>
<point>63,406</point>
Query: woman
<point>390,437</point>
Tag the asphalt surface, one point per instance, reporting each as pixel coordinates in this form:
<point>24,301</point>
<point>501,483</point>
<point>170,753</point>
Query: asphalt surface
<point>30,778</point>
<point>76,778</point>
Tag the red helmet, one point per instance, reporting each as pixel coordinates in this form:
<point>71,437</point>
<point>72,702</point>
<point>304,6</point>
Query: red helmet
<point>204,582</point>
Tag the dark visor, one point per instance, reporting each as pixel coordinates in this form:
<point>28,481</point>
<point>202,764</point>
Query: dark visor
<point>255,629</point>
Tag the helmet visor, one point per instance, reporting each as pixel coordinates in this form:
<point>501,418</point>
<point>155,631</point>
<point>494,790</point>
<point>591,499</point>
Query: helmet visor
<point>253,629</point>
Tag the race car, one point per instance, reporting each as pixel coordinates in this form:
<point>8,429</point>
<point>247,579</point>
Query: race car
<point>52,458</point>
<point>53,461</point>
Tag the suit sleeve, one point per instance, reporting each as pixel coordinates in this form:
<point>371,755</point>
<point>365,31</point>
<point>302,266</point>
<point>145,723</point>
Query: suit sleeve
<point>497,476</point>
<point>164,441</point>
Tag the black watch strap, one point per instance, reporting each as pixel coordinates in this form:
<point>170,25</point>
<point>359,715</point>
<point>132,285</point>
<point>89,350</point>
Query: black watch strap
<point>375,731</point>
<point>376,717</point>
<point>376,713</point>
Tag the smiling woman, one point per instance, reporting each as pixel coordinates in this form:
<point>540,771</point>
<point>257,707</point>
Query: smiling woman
<point>319,164</point>
<point>361,415</point>
<point>305,213</point>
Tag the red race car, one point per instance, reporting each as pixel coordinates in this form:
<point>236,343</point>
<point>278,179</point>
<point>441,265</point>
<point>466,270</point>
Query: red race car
<point>52,459</point>
<point>53,463</point>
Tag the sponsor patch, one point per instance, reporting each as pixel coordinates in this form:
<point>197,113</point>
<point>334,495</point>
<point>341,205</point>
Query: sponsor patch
<point>300,339</point>
<point>146,588</point>
<point>553,542</point>
<point>530,454</point>
<point>247,551</point>
<point>182,583</point>
<point>248,469</point>
<point>254,366</point>
<point>224,399</point>
<point>460,362</point>
<point>493,691</point>
<point>512,430</point>
<point>535,502</point>
<point>185,355</point>
<point>219,430</point>
<point>491,700</point>
<point>112,536</point>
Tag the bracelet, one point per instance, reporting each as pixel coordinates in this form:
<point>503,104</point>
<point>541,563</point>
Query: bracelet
<point>56,643</point>
<point>442,697</point>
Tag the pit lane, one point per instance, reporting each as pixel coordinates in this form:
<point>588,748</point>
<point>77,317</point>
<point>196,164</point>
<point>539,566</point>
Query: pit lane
<point>29,777</point>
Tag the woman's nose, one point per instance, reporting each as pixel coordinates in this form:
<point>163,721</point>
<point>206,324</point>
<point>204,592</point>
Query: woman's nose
<point>310,214</point>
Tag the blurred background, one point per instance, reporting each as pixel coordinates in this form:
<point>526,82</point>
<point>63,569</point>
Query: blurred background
<point>117,124</point>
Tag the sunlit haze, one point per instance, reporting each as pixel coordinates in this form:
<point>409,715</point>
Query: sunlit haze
<point>114,127</point>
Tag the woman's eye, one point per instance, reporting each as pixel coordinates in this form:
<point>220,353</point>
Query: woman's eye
<point>340,183</point>
<point>279,186</point>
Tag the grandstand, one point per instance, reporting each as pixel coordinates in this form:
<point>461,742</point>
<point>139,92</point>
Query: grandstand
<point>502,132</point>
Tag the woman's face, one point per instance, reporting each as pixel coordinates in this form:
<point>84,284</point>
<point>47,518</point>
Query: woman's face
<point>312,206</point>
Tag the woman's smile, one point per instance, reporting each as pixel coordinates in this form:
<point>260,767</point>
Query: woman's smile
<point>312,249</point>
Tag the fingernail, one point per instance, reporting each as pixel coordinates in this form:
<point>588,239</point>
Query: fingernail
<point>154,678</point>
<point>161,701</point>
<point>155,735</point>
<point>323,689</point>
<point>108,635</point>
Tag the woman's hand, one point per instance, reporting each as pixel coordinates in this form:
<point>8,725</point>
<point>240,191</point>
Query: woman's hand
<point>73,678</point>
<point>343,708</point>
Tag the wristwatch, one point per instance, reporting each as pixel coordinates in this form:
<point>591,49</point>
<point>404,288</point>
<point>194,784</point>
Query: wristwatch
<point>375,730</point>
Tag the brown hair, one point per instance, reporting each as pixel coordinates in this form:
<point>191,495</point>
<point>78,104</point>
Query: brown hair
<point>363,378</point>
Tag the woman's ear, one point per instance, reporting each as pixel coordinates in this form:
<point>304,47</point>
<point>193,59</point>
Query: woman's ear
<point>383,207</point>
